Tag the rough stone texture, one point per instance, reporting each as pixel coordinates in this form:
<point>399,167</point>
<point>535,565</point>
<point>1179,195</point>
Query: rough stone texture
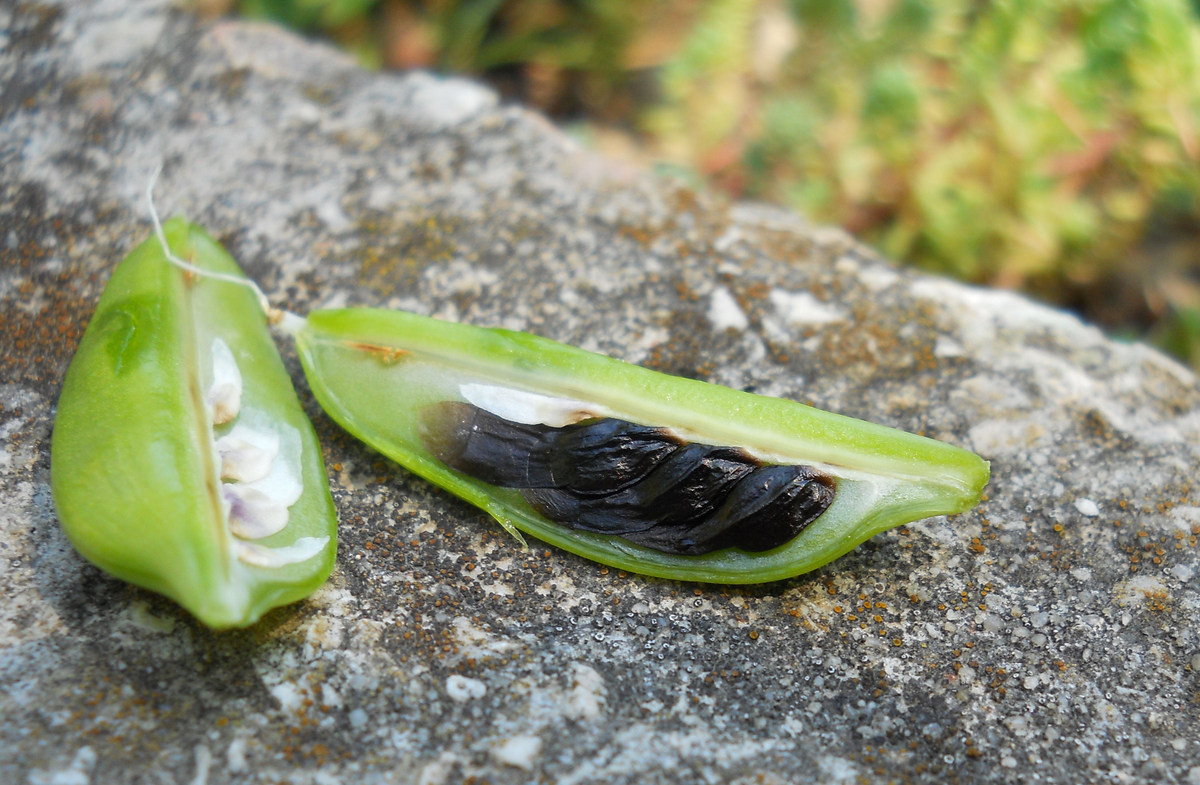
<point>1050,635</point>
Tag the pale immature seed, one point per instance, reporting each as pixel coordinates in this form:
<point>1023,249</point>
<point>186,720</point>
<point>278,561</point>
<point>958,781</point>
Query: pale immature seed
<point>246,455</point>
<point>225,395</point>
<point>260,481</point>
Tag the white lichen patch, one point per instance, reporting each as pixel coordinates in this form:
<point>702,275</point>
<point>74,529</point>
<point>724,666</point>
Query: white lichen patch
<point>802,308</point>
<point>994,438</point>
<point>79,770</point>
<point>476,642</point>
<point>462,688</point>
<point>876,277</point>
<point>325,633</point>
<point>946,348</point>
<point>1138,588</point>
<point>140,615</point>
<point>235,755</point>
<point>724,312</point>
<point>519,751</point>
<point>588,694</point>
<point>1184,517</point>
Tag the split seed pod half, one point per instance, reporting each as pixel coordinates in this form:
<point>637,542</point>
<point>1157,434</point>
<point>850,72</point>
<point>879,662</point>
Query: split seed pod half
<point>181,460</point>
<point>630,467</point>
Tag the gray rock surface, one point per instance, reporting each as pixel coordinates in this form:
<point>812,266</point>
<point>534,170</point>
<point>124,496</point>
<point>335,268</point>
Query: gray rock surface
<point>1050,635</point>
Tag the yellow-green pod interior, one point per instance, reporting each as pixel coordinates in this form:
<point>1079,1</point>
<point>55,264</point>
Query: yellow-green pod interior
<point>136,477</point>
<point>374,371</point>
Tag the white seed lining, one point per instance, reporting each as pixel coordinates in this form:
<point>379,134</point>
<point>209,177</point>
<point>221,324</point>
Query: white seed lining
<point>525,407</point>
<point>225,396</point>
<point>259,460</point>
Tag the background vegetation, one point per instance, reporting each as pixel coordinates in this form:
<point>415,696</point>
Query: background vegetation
<point>1051,146</point>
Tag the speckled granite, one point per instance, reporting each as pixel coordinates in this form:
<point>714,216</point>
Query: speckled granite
<point>1050,635</point>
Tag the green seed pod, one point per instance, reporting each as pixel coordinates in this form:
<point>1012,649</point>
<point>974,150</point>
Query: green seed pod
<point>181,460</point>
<point>632,468</point>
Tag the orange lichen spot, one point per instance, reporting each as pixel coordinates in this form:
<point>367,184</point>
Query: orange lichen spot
<point>388,355</point>
<point>1156,600</point>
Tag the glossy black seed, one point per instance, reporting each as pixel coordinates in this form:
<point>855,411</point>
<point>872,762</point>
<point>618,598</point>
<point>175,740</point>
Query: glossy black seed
<point>592,457</point>
<point>615,477</point>
<point>606,455</point>
<point>487,447</point>
<point>582,513</point>
<point>766,509</point>
<point>685,488</point>
<point>692,483</point>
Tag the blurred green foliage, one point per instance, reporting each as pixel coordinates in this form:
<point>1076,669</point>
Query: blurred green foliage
<point>1029,143</point>
<point>588,38</point>
<point>1022,143</point>
<point>309,14</point>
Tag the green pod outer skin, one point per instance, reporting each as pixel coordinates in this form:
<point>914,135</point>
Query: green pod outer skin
<point>373,369</point>
<point>133,471</point>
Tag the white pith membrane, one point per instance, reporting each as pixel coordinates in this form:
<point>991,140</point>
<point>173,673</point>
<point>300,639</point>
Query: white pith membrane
<point>527,408</point>
<point>259,463</point>
<point>225,396</point>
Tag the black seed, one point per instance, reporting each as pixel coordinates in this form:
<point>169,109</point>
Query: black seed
<point>585,513</point>
<point>765,510</point>
<point>690,485</point>
<point>605,455</point>
<point>684,489</point>
<point>615,477</point>
<point>487,447</point>
<point>594,456</point>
